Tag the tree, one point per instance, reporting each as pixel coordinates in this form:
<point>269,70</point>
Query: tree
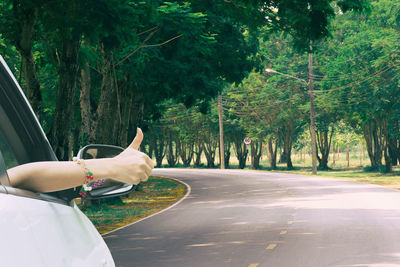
<point>286,94</point>
<point>124,54</point>
<point>364,84</point>
<point>18,21</point>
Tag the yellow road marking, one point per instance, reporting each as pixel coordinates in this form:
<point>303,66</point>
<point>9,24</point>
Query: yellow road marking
<point>271,246</point>
<point>253,265</point>
<point>283,232</point>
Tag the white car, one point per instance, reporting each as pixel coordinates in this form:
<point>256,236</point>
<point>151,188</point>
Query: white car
<point>41,229</point>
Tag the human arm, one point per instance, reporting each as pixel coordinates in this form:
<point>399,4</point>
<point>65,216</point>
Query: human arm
<point>131,166</point>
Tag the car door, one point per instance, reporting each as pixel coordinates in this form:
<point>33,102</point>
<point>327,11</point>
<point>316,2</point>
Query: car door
<point>37,229</point>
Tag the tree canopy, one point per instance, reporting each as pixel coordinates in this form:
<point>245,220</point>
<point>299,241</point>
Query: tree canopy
<point>90,66</point>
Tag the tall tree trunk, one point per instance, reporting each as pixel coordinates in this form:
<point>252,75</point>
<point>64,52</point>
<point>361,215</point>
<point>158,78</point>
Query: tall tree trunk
<point>373,139</point>
<point>137,114</point>
<point>186,153</point>
<point>106,105</point>
<point>87,117</point>
<point>287,134</point>
<point>256,153</point>
<point>172,149</point>
<point>227,151</point>
<point>388,159</point>
<point>394,150</point>
<point>26,18</point>
<point>272,152</point>
<point>63,116</point>
<point>288,150</point>
<point>198,150</point>
<point>324,140</point>
<point>158,143</point>
<point>241,150</point>
<point>126,110</point>
<point>210,149</point>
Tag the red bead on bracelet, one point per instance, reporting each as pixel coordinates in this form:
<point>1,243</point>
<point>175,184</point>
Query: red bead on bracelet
<point>88,176</point>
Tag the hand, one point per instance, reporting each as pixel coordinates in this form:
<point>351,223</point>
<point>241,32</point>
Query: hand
<point>132,166</point>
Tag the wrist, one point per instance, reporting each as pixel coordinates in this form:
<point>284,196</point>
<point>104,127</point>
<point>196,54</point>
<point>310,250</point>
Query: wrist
<point>101,168</point>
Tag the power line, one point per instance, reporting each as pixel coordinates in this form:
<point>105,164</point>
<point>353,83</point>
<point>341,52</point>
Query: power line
<point>340,78</point>
<point>356,82</point>
<point>395,38</point>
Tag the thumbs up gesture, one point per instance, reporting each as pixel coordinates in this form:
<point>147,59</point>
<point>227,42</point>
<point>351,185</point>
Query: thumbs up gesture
<point>132,166</point>
<point>137,140</point>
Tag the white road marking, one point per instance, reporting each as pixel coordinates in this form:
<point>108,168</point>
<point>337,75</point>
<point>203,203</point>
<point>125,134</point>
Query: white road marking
<point>203,245</point>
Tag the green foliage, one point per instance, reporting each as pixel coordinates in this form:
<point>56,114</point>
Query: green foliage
<point>308,21</point>
<point>145,53</point>
<point>361,71</point>
<point>359,77</point>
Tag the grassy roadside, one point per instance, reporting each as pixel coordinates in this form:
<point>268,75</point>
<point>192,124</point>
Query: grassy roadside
<point>355,174</point>
<point>152,196</point>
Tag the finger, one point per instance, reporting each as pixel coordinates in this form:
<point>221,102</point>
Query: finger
<point>142,176</point>
<point>148,169</point>
<point>136,181</point>
<point>137,140</point>
<point>150,162</point>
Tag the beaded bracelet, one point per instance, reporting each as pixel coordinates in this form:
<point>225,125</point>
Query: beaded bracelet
<point>86,187</point>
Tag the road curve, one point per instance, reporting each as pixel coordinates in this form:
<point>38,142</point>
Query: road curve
<point>250,218</point>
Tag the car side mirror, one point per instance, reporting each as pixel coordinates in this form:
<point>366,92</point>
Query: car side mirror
<point>110,188</point>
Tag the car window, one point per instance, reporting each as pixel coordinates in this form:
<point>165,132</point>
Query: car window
<point>8,155</point>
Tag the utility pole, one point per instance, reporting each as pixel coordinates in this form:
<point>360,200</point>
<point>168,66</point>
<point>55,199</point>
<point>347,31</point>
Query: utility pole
<point>221,132</point>
<point>310,85</point>
<point>312,112</point>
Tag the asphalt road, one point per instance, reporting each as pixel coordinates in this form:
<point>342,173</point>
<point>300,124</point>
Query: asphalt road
<point>249,219</point>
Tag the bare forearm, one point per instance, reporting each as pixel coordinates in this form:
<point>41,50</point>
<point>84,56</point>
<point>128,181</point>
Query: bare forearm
<point>57,175</point>
<point>131,166</point>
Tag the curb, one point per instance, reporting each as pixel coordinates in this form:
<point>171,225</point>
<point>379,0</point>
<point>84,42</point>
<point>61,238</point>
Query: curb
<point>189,189</point>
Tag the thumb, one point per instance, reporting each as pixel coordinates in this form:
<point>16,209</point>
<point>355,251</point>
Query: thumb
<point>137,140</point>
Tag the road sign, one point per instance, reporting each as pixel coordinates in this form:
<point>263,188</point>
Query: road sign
<point>247,140</point>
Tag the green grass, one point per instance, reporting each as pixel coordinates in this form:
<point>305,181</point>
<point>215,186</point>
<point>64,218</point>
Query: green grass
<point>152,196</point>
<point>358,175</point>
<point>354,169</point>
